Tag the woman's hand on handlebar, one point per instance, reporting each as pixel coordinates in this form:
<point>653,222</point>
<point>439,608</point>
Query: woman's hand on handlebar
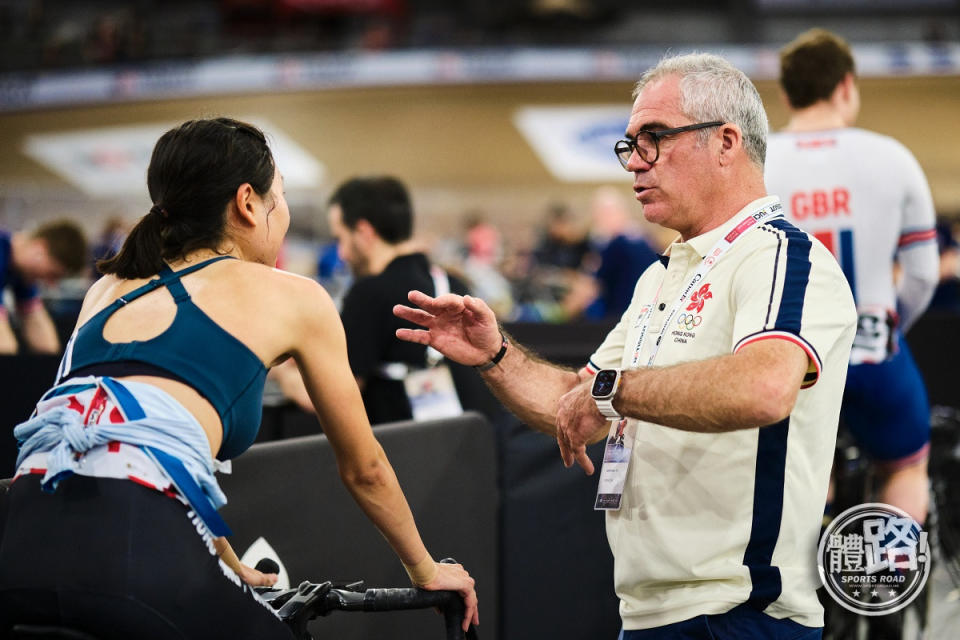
<point>249,575</point>
<point>453,577</point>
<point>256,578</point>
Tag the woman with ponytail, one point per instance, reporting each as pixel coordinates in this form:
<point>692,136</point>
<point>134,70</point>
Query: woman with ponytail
<point>113,508</point>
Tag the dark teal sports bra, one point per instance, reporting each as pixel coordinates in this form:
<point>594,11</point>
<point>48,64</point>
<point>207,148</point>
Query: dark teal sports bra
<point>193,349</point>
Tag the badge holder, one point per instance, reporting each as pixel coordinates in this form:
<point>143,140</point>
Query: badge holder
<point>431,392</point>
<point>616,461</point>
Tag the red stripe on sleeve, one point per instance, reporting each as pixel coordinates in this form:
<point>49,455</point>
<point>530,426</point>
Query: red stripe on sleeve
<point>789,338</point>
<point>917,236</point>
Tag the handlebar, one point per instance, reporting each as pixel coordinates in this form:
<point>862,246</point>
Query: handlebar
<point>298,606</point>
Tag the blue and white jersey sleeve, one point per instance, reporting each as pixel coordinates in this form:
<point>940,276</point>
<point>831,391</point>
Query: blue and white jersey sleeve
<point>917,251</point>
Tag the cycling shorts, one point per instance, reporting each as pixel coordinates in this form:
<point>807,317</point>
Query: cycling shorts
<point>885,408</point>
<point>117,560</point>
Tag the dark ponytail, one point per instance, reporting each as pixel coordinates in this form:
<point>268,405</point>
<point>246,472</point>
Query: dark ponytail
<point>194,173</point>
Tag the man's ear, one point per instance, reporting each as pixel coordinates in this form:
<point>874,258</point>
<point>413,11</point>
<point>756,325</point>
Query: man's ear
<point>365,230</point>
<point>842,92</point>
<point>243,204</point>
<point>731,141</point>
<point>849,85</point>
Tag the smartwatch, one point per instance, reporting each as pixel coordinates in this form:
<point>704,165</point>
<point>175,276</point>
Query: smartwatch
<point>605,385</point>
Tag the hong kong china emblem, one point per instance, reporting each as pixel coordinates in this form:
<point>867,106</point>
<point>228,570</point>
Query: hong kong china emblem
<point>874,559</point>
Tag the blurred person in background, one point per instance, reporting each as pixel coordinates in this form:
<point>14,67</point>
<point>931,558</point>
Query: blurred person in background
<point>483,249</point>
<point>28,259</point>
<point>556,285</point>
<point>372,220</point>
<point>332,272</point>
<point>728,404</point>
<point>108,243</point>
<point>563,243</point>
<point>624,253</point>
<point>865,197</point>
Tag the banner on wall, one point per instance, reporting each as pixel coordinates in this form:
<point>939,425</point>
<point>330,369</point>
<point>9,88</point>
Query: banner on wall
<point>112,161</point>
<point>312,71</point>
<point>575,143</point>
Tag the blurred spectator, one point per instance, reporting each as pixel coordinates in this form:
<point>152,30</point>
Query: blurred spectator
<point>564,243</point>
<point>372,218</point>
<point>946,297</point>
<point>484,252</point>
<point>108,243</point>
<point>624,253</point>
<point>46,255</point>
<point>115,37</point>
<point>333,273</point>
<point>556,285</point>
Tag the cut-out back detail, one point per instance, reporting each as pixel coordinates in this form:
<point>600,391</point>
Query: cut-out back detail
<point>193,349</point>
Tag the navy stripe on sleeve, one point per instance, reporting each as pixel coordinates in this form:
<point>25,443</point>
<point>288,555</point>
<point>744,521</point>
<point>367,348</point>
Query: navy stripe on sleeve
<point>767,514</point>
<point>795,278</point>
<point>846,260</point>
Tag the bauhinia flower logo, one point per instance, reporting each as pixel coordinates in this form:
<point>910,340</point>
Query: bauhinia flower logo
<point>699,298</point>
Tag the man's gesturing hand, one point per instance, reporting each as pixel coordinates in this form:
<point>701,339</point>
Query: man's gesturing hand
<point>462,328</point>
<point>579,423</point>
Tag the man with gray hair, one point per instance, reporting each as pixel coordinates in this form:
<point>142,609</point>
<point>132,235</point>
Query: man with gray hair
<point>718,391</point>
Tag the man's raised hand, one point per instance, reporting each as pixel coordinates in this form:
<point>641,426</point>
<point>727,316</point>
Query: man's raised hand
<point>462,328</point>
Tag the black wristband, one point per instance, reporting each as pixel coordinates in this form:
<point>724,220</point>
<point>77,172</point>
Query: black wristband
<point>497,358</point>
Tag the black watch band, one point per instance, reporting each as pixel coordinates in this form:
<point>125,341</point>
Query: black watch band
<point>497,358</point>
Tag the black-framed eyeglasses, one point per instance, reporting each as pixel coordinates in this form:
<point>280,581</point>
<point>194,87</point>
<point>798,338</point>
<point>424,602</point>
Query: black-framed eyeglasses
<point>647,143</point>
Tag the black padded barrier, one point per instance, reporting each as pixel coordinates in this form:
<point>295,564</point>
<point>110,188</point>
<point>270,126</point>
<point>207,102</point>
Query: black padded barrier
<point>556,566</point>
<point>569,344</point>
<point>289,493</point>
<point>935,343</point>
<point>23,378</point>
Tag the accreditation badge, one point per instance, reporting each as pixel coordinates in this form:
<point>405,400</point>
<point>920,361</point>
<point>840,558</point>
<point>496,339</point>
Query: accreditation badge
<point>432,394</point>
<point>616,461</point>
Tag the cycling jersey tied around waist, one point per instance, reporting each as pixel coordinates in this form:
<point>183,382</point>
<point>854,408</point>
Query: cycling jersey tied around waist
<point>89,412</point>
<point>193,349</point>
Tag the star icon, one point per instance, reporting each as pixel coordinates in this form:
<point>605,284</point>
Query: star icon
<point>856,594</point>
<point>874,593</point>
<point>892,593</point>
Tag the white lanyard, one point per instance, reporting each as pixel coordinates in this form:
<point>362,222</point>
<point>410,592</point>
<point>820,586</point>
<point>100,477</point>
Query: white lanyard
<point>760,216</point>
<point>619,446</point>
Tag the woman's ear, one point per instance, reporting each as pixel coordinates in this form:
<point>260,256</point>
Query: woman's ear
<point>243,204</point>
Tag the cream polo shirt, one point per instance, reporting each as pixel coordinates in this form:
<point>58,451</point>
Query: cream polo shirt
<point>710,521</point>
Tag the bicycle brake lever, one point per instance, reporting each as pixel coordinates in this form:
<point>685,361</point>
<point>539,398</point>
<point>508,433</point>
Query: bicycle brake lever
<point>356,585</point>
<point>296,611</point>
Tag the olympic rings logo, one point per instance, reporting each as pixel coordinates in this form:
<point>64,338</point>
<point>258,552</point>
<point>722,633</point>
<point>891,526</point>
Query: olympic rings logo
<point>689,321</point>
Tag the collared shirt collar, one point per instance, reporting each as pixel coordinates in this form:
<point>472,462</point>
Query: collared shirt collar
<point>704,242</point>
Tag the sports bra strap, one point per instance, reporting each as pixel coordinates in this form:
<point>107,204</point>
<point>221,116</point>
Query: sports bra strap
<point>171,279</point>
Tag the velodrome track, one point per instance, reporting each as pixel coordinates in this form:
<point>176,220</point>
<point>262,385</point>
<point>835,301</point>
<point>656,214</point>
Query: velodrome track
<point>457,145</point>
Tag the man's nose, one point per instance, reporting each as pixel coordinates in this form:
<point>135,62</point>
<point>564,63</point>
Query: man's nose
<point>636,162</point>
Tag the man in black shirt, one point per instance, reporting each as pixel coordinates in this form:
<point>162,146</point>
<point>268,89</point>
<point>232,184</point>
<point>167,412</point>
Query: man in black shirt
<point>372,219</point>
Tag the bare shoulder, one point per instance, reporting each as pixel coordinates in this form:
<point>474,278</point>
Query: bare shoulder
<point>283,291</point>
<point>98,295</point>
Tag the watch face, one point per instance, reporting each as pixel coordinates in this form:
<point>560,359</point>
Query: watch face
<point>603,383</point>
